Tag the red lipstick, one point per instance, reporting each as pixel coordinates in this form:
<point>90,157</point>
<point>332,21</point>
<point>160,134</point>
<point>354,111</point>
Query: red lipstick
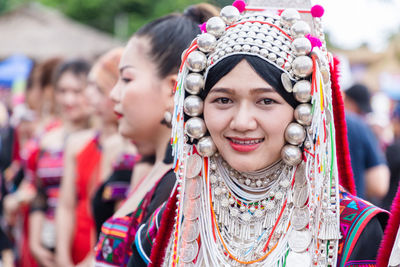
<point>245,144</point>
<point>119,115</point>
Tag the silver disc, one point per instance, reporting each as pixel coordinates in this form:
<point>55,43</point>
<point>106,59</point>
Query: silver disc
<point>300,195</point>
<point>193,187</point>
<point>193,166</point>
<point>191,209</point>
<point>190,230</point>
<point>295,259</point>
<point>300,218</point>
<point>299,240</point>
<point>300,177</point>
<point>189,251</point>
<point>287,83</point>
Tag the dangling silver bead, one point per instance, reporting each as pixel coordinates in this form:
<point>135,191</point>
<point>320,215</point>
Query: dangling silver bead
<point>215,26</point>
<point>206,146</point>
<point>302,66</point>
<point>300,29</point>
<point>194,82</point>
<point>230,14</point>
<point>196,61</point>
<point>195,128</point>
<point>295,134</point>
<point>291,155</point>
<point>206,42</point>
<point>303,114</point>
<point>302,91</point>
<point>289,17</point>
<point>301,46</point>
<point>286,82</point>
<point>193,106</point>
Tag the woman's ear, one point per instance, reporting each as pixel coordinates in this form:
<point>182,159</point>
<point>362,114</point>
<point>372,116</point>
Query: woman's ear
<point>169,84</point>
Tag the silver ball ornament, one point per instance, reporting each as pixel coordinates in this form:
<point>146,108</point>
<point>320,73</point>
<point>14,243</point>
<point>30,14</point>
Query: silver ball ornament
<point>286,82</point>
<point>196,61</point>
<point>206,42</point>
<point>295,134</point>
<point>302,91</point>
<point>302,66</point>
<point>301,46</point>
<point>300,29</point>
<point>215,26</point>
<point>195,128</point>
<point>193,106</point>
<point>230,14</point>
<point>291,155</point>
<point>303,114</point>
<point>194,83</point>
<point>289,17</point>
<point>206,146</point>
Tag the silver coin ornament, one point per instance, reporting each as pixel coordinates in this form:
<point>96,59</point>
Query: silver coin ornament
<point>206,42</point>
<point>215,26</point>
<point>190,230</point>
<point>303,114</point>
<point>300,176</point>
<point>289,17</point>
<point>193,106</point>
<point>286,82</point>
<point>195,128</point>
<point>301,46</point>
<point>193,166</point>
<point>196,61</point>
<point>300,195</point>
<point>206,146</point>
<point>295,259</point>
<point>300,218</point>
<point>302,66</point>
<point>299,240</point>
<point>191,209</point>
<point>230,14</point>
<point>291,155</point>
<point>302,91</point>
<point>193,187</point>
<point>300,29</point>
<point>194,83</point>
<point>295,134</point>
<point>189,251</point>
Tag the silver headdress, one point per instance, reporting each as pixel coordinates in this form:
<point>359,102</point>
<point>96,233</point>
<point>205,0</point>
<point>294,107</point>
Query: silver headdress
<point>292,215</point>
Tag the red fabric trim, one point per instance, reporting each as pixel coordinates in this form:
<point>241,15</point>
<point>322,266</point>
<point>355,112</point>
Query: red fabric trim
<point>342,145</point>
<point>164,233</point>
<point>390,232</point>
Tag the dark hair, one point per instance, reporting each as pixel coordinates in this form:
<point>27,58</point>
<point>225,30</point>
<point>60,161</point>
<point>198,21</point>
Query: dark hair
<point>47,70</point>
<point>78,67</point>
<point>170,35</point>
<point>270,73</point>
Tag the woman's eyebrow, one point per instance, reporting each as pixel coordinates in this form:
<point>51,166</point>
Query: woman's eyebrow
<point>262,90</point>
<point>121,69</point>
<point>222,90</point>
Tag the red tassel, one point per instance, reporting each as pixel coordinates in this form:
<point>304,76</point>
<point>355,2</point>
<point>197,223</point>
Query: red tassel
<point>164,233</point>
<point>342,144</point>
<point>390,234</point>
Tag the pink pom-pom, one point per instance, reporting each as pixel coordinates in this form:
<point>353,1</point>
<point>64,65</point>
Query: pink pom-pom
<point>317,11</point>
<point>203,27</point>
<point>240,5</point>
<point>315,42</point>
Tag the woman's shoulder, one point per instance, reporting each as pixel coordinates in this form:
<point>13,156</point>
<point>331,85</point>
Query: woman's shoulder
<point>77,141</point>
<point>361,226</point>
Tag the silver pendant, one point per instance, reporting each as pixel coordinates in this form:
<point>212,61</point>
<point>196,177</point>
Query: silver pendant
<point>299,240</point>
<point>193,187</point>
<point>300,218</point>
<point>298,259</point>
<point>191,209</point>
<point>190,230</point>
<point>300,196</point>
<point>189,251</point>
<point>193,166</point>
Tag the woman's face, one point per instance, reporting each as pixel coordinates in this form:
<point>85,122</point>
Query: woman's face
<point>71,97</point>
<point>140,100</point>
<point>246,119</point>
<point>100,99</point>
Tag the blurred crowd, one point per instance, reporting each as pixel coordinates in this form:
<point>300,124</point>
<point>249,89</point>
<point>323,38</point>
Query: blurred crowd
<point>66,168</point>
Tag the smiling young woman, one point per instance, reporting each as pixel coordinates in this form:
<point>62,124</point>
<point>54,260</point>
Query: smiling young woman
<point>255,129</point>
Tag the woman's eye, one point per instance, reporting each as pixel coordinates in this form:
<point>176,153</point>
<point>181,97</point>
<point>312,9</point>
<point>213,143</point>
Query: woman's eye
<point>126,80</point>
<point>223,100</point>
<point>266,101</point>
